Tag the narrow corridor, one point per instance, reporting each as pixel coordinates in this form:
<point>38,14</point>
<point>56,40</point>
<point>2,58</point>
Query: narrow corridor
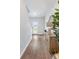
<point>37,49</point>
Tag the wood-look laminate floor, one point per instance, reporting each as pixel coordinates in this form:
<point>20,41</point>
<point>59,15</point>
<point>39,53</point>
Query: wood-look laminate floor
<point>37,49</point>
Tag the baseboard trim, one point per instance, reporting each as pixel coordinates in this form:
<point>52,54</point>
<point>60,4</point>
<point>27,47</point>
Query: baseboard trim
<point>25,48</point>
<point>38,34</point>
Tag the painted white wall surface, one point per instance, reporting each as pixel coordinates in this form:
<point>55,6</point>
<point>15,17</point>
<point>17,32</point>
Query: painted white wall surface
<point>38,25</point>
<point>25,28</point>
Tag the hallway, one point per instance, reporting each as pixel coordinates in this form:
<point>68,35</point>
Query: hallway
<point>37,49</point>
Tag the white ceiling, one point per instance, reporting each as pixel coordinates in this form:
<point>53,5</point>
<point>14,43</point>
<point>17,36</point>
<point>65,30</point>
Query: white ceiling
<point>39,8</point>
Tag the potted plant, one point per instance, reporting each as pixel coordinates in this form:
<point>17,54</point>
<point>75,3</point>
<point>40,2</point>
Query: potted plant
<point>56,23</point>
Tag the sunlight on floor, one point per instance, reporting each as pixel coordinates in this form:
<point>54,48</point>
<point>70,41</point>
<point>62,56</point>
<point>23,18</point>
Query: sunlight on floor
<point>35,37</point>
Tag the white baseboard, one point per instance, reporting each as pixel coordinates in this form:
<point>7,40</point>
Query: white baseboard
<point>25,48</point>
<point>38,34</point>
<point>28,44</point>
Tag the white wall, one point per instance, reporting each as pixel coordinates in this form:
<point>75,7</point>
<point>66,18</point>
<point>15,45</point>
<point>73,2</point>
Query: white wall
<point>25,28</point>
